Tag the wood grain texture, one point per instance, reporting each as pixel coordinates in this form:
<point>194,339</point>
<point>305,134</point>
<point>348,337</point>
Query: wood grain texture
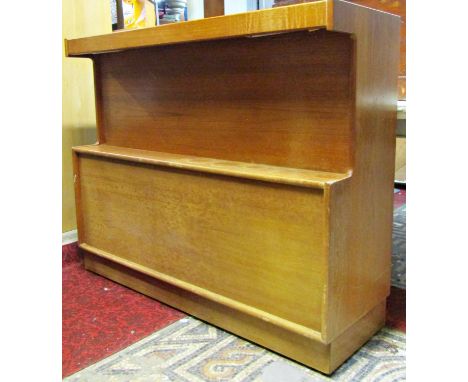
<point>213,8</point>
<point>324,357</point>
<point>254,171</point>
<point>235,305</point>
<point>77,189</point>
<point>257,242</point>
<point>264,100</point>
<point>297,17</point>
<point>254,183</point>
<point>396,7</point>
<point>356,335</point>
<point>361,214</point>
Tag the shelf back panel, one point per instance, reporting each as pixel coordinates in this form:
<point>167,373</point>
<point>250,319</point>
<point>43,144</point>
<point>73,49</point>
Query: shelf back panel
<point>282,100</point>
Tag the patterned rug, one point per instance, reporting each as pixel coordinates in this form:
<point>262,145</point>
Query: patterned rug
<point>191,350</point>
<point>399,248</point>
<point>100,317</point>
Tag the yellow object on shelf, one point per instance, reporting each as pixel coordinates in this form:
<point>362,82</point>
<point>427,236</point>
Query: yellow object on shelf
<point>143,14</point>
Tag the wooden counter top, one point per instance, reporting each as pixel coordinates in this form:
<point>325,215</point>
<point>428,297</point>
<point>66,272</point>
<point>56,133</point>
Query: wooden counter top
<point>266,173</point>
<point>275,20</point>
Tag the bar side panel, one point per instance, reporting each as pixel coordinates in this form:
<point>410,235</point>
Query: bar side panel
<point>361,211</point>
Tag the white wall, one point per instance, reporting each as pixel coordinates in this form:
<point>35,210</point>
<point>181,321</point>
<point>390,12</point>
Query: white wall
<point>239,6</point>
<point>195,9</point>
<point>266,3</point>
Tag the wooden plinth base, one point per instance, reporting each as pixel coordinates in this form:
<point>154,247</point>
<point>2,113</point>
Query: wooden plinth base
<point>311,352</point>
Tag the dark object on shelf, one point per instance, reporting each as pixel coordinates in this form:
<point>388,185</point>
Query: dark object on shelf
<point>400,185</point>
<point>117,15</point>
<point>172,11</point>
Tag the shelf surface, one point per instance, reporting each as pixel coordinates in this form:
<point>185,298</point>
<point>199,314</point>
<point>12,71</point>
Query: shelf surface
<point>267,173</point>
<point>275,20</point>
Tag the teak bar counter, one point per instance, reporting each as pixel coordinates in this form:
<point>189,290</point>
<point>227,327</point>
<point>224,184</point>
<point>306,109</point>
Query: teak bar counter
<point>244,171</point>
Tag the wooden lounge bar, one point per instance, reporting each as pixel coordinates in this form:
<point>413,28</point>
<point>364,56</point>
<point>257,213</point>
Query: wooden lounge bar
<point>244,171</point>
